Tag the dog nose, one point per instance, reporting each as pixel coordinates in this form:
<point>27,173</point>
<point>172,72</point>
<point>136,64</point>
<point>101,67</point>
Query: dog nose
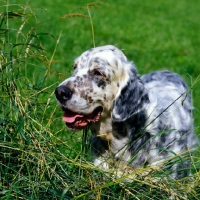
<point>63,93</point>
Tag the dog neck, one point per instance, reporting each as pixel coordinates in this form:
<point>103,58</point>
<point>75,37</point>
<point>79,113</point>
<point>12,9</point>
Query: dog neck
<point>103,129</point>
<point>108,130</point>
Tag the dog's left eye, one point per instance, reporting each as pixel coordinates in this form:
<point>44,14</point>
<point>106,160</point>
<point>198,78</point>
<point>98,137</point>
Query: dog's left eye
<point>98,73</point>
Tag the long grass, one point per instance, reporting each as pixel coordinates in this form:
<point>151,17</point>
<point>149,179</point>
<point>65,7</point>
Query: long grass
<point>39,158</point>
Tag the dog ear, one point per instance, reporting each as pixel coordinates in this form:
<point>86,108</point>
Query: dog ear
<point>131,98</point>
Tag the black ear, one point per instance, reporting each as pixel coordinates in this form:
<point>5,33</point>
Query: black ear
<point>131,100</point>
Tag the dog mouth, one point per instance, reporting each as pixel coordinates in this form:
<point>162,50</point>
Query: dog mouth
<point>79,121</point>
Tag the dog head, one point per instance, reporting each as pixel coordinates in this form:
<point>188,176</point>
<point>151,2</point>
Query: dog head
<point>104,84</point>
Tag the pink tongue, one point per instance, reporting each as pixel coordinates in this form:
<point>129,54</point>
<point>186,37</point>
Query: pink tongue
<point>70,117</point>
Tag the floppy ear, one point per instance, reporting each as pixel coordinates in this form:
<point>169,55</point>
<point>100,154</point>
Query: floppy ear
<point>131,98</point>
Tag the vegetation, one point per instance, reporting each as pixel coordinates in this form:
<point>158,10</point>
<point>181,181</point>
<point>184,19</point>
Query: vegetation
<point>39,158</point>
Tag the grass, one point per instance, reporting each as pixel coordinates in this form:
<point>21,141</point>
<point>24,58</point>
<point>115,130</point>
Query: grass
<point>39,158</point>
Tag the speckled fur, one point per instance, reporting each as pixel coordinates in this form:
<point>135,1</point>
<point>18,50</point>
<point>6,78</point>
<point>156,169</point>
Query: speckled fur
<point>144,120</point>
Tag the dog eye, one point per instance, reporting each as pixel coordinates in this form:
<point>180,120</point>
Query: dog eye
<point>98,73</point>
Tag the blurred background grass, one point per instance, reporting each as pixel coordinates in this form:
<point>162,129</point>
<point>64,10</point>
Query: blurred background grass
<point>40,159</point>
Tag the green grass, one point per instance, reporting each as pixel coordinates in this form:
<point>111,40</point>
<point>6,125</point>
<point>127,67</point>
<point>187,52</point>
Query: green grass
<point>39,158</point>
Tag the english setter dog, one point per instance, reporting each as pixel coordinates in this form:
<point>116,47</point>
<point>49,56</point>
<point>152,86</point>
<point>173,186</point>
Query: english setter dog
<point>137,120</point>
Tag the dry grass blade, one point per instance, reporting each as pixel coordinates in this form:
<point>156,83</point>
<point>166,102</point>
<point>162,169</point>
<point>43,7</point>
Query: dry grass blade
<point>70,15</point>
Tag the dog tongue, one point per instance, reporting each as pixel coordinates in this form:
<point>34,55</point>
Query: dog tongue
<point>70,117</point>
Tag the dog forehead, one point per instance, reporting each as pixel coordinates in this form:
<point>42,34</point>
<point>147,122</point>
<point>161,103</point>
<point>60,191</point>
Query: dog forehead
<point>103,56</point>
<point>105,52</point>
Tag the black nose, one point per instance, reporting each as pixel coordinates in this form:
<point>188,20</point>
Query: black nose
<point>63,93</point>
